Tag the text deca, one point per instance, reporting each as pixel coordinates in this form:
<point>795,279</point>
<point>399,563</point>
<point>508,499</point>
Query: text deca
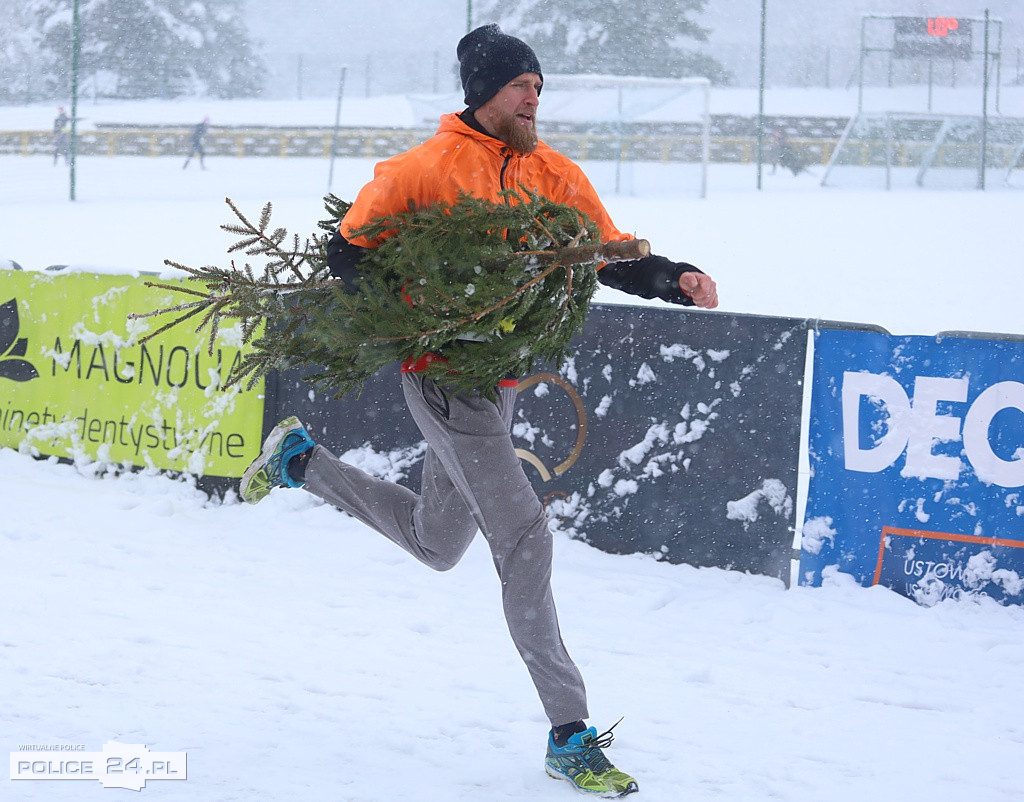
<point>916,426</point>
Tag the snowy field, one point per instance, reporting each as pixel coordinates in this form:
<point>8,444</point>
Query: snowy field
<point>914,262</point>
<point>293,654</point>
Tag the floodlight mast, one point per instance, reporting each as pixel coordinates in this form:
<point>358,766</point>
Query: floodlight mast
<point>73,143</point>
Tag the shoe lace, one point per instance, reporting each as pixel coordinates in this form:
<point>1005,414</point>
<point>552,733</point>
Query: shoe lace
<point>592,753</point>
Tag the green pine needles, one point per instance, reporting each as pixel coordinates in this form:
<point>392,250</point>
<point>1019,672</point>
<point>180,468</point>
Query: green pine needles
<point>490,288</point>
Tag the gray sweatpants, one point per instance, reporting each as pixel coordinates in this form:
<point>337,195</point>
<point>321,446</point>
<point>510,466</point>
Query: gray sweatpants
<point>472,479</point>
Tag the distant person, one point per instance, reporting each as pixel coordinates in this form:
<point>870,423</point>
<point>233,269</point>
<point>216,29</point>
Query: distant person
<point>198,140</point>
<point>772,151</point>
<point>61,142</point>
<point>783,154</point>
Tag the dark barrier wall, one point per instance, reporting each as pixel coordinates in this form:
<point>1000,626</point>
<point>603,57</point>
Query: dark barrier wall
<point>671,432</point>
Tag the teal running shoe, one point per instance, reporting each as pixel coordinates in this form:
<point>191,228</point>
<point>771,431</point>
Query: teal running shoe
<point>270,469</point>
<point>582,763</point>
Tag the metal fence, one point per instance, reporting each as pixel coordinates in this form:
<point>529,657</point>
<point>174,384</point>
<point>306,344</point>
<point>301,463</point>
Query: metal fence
<point>732,143</point>
<point>380,143</point>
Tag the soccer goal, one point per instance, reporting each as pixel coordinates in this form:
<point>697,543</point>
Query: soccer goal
<point>628,121</point>
<point>632,133</point>
<point>932,151</point>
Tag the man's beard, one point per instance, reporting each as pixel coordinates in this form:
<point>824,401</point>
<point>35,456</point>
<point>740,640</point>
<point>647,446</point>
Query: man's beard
<point>521,138</point>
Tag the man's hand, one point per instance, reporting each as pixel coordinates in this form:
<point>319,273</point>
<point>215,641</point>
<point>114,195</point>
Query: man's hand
<point>701,288</point>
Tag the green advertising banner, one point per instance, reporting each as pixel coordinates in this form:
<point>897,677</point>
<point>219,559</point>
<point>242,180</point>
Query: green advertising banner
<point>76,383</point>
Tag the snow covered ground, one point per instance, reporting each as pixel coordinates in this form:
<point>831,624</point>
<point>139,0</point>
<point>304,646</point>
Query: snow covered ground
<point>293,654</point>
<point>914,262</point>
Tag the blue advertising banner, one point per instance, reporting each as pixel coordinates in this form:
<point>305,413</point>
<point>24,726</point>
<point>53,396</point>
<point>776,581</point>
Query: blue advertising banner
<point>917,465</point>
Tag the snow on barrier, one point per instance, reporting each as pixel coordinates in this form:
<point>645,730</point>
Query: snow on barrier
<point>670,432</point>
<point>917,465</point>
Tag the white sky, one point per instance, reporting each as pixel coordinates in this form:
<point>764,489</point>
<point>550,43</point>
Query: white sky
<point>356,27</point>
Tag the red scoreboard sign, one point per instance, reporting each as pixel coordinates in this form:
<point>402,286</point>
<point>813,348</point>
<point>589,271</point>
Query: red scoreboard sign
<point>932,37</point>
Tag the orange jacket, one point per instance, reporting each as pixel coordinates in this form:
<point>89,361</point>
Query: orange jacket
<point>460,158</point>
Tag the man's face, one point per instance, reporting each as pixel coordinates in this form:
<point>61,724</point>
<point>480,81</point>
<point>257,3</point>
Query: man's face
<point>511,115</point>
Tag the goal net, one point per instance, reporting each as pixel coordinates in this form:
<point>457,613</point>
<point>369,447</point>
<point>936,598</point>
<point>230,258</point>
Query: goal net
<point>932,151</point>
<point>630,121</point>
<point>632,134</point>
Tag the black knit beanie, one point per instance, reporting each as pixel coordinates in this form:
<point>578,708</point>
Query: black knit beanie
<point>489,59</point>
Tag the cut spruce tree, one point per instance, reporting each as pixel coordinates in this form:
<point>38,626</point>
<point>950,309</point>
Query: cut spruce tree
<point>489,289</point>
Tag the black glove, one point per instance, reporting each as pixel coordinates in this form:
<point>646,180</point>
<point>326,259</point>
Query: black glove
<point>343,259</point>
<point>650,277</point>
